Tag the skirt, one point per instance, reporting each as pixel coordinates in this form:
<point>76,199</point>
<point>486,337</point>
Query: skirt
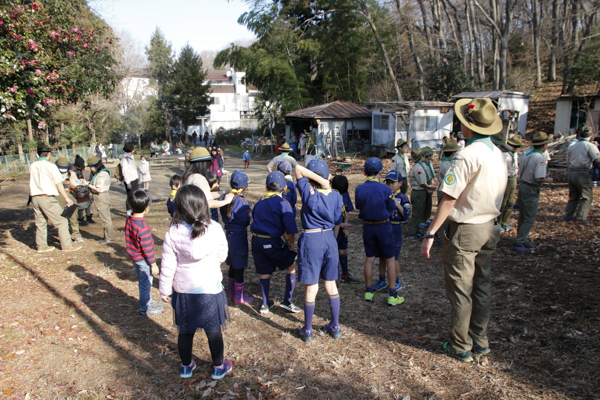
<point>200,311</point>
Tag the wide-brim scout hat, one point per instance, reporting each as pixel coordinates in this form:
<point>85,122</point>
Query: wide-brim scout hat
<point>416,154</point>
<point>450,145</point>
<point>586,132</point>
<point>63,162</point>
<point>284,166</point>
<point>319,167</point>
<point>479,115</point>
<point>285,147</point>
<point>401,142</point>
<point>393,176</point>
<point>276,181</point>
<point>515,141</point>
<point>373,164</point>
<point>427,151</point>
<point>239,179</point>
<point>540,138</point>
<point>92,161</point>
<point>498,138</point>
<point>199,154</point>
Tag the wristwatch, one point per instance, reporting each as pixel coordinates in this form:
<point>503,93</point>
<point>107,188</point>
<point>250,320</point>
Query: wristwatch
<point>429,236</point>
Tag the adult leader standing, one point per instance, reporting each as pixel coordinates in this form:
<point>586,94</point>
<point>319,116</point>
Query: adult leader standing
<point>130,172</point>
<point>195,174</point>
<point>284,156</point>
<point>473,191</point>
<point>45,184</point>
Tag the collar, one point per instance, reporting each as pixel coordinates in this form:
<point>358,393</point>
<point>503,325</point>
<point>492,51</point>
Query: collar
<point>537,151</point>
<point>324,191</point>
<point>584,139</point>
<point>372,179</point>
<point>271,194</point>
<point>481,138</point>
<point>289,178</point>
<point>446,159</point>
<point>43,159</point>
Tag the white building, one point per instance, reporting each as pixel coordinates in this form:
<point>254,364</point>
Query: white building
<point>573,112</point>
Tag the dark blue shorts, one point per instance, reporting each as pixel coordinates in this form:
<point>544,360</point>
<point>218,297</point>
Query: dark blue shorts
<point>271,254</point>
<point>214,214</point>
<point>397,229</point>
<point>237,255</point>
<point>378,240</point>
<point>318,257</point>
<point>342,241</point>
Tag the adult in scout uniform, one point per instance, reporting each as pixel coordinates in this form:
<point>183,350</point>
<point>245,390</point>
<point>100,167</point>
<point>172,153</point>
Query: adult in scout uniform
<point>512,162</point>
<point>580,158</point>
<point>448,151</point>
<point>99,186</point>
<point>400,163</point>
<point>421,181</point>
<point>533,174</point>
<point>45,185</point>
<point>70,185</point>
<point>473,189</point>
<point>285,149</point>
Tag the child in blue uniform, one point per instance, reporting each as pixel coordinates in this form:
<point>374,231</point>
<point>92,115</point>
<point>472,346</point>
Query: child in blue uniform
<point>317,246</point>
<point>272,217</point>
<point>289,193</point>
<point>236,218</point>
<point>175,183</point>
<point>213,182</point>
<point>394,180</point>
<point>340,183</point>
<point>376,203</point>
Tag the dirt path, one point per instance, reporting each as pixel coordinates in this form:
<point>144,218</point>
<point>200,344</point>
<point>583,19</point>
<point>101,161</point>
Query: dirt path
<point>68,324</point>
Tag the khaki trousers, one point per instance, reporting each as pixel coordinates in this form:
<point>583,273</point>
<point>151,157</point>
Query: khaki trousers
<point>467,258</point>
<point>508,201</point>
<point>73,221</point>
<point>581,194</point>
<point>529,200</point>
<point>47,209</point>
<point>102,201</point>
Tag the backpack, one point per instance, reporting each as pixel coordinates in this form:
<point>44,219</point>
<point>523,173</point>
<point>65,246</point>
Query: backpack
<point>118,173</point>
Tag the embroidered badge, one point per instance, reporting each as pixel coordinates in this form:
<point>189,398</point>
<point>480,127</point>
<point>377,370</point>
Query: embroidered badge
<point>419,172</point>
<point>449,179</point>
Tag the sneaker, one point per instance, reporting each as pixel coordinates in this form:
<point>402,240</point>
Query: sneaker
<point>423,225</point>
<point>152,311</point>
<point>529,246</point>
<point>45,249</point>
<point>368,296</point>
<point>306,335</point>
<point>394,301</point>
<point>398,286</point>
<point>291,307</point>
<point>416,238</point>
<point>379,285</point>
<point>462,357</point>
<point>507,228</point>
<point>428,222</point>
<point>105,241</point>
<point>73,248</point>
<point>502,229</point>
<point>477,349</point>
<point>78,240</point>
<point>521,249</point>
<point>349,279</point>
<point>264,308</point>
<point>220,372</point>
<point>334,332</point>
<point>186,371</point>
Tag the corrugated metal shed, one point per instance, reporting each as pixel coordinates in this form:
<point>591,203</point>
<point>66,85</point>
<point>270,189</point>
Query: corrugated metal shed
<point>336,110</point>
<point>493,94</point>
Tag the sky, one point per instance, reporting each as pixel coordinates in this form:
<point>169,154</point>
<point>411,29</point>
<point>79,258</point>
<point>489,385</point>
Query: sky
<point>204,24</point>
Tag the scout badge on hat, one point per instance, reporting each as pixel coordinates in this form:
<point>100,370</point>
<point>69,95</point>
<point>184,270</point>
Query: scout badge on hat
<point>479,115</point>
<point>540,138</point>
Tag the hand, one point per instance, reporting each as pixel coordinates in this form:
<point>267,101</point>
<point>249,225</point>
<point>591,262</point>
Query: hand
<point>229,197</point>
<point>69,202</point>
<point>426,247</point>
<point>165,299</point>
<point>290,245</point>
<point>155,270</point>
<point>128,186</point>
<point>346,231</point>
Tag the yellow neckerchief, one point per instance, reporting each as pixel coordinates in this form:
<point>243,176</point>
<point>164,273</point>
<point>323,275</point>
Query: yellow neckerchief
<point>324,191</point>
<point>372,179</point>
<point>397,191</point>
<point>237,191</point>
<point>270,194</point>
<point>289,178</point>
<point>173,194</point>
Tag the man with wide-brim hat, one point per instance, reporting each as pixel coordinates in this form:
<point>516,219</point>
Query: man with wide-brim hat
<point>533,171</point>
<point>284,156</point>
<point>401,164</point>
<point>580,159</point>
<point>449,149</point>
<point>473,189</point>
<point>70,185</point>
<point>510,150</point>
<point>421,181</point>
<point>199,161</point>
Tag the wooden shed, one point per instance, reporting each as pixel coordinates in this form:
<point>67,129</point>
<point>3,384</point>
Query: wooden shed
<point>573,112</point>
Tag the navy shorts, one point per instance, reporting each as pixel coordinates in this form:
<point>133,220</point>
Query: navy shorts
<point>271,254</point>
<point>397,229</point>
<point>318,257</point>
<point>378,240</point>
<point>342,241</point>
<point>237,255</point>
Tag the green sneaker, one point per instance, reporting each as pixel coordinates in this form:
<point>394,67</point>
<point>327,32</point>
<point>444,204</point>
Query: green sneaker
<point>462,357</point>
<point>394,301</point>
<point>477,349</point>
<point>368,296</point>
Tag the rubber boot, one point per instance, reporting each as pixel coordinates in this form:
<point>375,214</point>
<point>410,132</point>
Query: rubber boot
<point>240,296</point>
<point>231,290</point>
<point>90,219</point>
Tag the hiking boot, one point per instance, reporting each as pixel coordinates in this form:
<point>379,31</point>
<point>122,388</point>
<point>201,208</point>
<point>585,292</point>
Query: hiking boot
<point>349,279</point>
<point>291,307</point>
<point>394,301</point>
<point>105,241</point>
<point>152,311</point>
<point>521,249</point>
<point>220,372</point>
<point>334,332</point>
<point>306,335</point>
<point>477,349</point>
<point>89,219</point>
<point>82,222</point>
<point>264,308</point>
<point>462,357</point>
<point>379,285</point>
<point>45,249</point>
<point>186,371</point>
<point>368,296</point>
<point>73,248</point>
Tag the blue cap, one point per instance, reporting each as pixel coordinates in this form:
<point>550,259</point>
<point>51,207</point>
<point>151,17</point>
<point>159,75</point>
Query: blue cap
<point>239,180</point>
<point>393,176</point>
<point>319,167</point>
<point>276,181</point>
<point>284,166</point>
<point>373,165</point>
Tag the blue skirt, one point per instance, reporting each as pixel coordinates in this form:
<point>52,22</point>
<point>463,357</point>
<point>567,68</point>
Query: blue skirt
<point>200,311</point>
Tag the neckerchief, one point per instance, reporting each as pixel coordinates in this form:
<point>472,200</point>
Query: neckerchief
<point>431,168</point>
<point>43,159</point>
<point>397,191</point>
<point>173,194</point>
<point>403,160</point>
<point>270,194</point>
<point>237,191</point>
<point>584,139</point>
<point>372,179</point>
<point>481,138</point>
<point>429,178</point>
<point>324,191</point>
<point>537,151</point>
<point>446,159</point>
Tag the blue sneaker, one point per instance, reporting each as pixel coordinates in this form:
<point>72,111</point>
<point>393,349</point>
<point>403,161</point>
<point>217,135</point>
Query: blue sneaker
<point>507,228</point>
<point>398,286</point>
<point>334,332</point>
<point>423,225</point>
<point>186,371</point>
<point>220,372</point>
<point>306,335</point>
<point>379,285</point>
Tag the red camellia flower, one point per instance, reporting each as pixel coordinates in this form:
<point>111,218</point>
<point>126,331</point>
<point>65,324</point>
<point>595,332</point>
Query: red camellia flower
<point>35,6</point>
<point>30,91</point>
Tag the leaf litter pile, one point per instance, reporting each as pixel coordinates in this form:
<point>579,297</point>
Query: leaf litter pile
<point>69,327</point>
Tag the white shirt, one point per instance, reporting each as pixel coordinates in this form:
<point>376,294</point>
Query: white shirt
<point>43,178</point>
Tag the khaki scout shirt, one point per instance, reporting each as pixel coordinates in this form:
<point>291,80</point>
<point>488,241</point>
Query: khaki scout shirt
<point>533,167</point>
<point>418,176</point>
<point>201,182</point>
<point>582,154</point>
<point>43,178</point>
<point>102,181</point>
<point>400,164</point>
<point>444,166</point>
<point>512,161</point>
<point>476,179</point>
<point>273,163</point>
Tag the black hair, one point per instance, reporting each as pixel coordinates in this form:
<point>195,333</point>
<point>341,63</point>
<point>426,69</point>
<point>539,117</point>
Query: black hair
<point>340,183</point>
<point>175,180</point>
<point>211,178</point>
<point>372,173</point>
<point>448,154</point>
<point>191,207</point>
<point>389,182</point>
<point>198,167</point>
<point>128,148</point>
<point>339,171</point>
<point>274,186</point>
<point>44,152</point>
<point>99,167</point>
<point>539,146</point>
<point>138,201</point>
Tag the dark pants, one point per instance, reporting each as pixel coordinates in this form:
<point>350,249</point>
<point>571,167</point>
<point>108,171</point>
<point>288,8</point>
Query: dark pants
<point>529,200</point>
<point>421,210</point>
<point>133,186</point>
<point>581,194</point>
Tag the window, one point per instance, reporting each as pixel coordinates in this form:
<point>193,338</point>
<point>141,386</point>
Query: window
<point>381,122</point>
<point>425,124</point>
<point>214,100</point>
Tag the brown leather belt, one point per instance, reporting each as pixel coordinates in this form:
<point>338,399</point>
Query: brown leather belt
<point>41,195</point>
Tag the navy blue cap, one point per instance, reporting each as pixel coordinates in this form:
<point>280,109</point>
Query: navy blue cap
<point>393,176</point>
<point>276,181</point>
<point>284,166</point>
<point>373,165</point>
<point>319,167</point>
<point>239,180</point>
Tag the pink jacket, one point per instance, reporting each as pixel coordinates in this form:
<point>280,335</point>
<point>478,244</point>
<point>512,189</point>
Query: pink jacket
<point>190,263</point>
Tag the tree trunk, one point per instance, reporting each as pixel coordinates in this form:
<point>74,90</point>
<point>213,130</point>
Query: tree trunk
<point>426,28</point>
<point>586,27</point>
<point>495,51</point>
<point>535,5</point>
<point>470,33</point>
<point>504,44</point>
<point>554,41</point>
<point>565,51</point>
<point>168,129</point>
<point>46,136</point>
<point>458,42</point>
<point>20,147</point>
<point>478,47</point>
<point>29,131</point>
<point>399,63</point>
<point>417,61</point>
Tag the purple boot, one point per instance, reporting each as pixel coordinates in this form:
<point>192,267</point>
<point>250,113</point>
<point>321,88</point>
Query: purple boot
<point>230,292</point>
<point>240,296</point>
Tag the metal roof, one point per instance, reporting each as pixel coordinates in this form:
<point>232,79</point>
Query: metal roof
<point>493,94</point>
<point>337,109</point>
<point>409,104</point>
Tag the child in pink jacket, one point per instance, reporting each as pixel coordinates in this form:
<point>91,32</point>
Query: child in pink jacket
<point>193,250</point>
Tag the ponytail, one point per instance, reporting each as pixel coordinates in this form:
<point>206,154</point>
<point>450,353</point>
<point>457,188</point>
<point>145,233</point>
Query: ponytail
<point>191,207</point>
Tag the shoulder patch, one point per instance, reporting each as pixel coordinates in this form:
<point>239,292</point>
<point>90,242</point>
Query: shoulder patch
<point>450,179</point>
